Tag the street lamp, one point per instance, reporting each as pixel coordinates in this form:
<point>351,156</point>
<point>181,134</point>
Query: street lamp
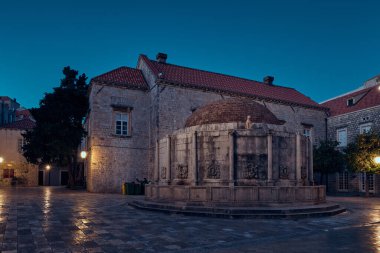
<point>48,167</point>
<point>377,160</point>
<point>83,154</point>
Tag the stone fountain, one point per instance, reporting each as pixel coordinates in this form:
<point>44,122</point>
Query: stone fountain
<point>233,153</point>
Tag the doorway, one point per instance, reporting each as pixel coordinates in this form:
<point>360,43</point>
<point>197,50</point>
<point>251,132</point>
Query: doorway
<point>371,182</point>
<point>64,177</point>
<point>40,177</point>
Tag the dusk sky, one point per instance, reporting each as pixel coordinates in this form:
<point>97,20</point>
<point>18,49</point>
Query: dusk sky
<point>322,48</point>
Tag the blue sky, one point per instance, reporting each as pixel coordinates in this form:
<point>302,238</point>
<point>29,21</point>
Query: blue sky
<point>321,48</point>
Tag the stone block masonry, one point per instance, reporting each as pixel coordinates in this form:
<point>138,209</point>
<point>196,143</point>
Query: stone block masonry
<point>115,159</point>
<point>352,121</point>
<point>156,113</point>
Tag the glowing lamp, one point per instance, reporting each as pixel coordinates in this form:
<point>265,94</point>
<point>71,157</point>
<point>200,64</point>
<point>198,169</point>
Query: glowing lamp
<point>83,154</point>
<point>1,159</point>
<point>377,159</point>
<point>48,167</point>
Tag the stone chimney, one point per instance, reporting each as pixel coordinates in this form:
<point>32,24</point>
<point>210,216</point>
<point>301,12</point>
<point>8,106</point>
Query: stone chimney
<point>161,57</point>
<point>268,80</point>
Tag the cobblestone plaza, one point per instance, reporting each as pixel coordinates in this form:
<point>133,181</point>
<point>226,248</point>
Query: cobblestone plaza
<point>60,220</point>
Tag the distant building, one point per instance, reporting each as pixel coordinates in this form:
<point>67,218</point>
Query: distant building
<point>131,109</point>
<point>8,109</point>
<point>351,114</point>
<point>14,168</point>
<point>15,120</point>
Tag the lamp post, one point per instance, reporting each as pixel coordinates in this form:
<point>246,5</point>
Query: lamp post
<point>48,167</point>
<point>83,155</point>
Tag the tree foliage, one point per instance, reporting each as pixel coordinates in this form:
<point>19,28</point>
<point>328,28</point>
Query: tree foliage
<point>59,131</point>
<point>362,152</point>
<point>327,158</point>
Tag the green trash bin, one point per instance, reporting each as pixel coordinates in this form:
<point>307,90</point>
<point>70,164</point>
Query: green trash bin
<point>130,188</point>
<point>138,189</point>
<point>143,188</point>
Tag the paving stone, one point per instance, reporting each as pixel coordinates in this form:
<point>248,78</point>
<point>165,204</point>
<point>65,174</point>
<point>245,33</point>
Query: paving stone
<point>44,219</point>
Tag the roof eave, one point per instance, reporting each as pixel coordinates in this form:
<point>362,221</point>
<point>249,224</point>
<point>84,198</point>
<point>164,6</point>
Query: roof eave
<point>118,85</point>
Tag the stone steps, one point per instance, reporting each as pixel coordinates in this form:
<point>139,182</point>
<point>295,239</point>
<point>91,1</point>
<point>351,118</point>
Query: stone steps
<point>289,212</point>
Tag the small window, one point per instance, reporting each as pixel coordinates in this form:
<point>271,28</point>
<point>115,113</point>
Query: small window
<point>122,121</point>
<point>341,137</point>
<point>343,181</point>
<point>365,118</point>
<point>350,102</point>
<point>307,132</point>
<point>8,173</point>
<point>20,144</point>
<point>365,128</point>
<point>371,182</point>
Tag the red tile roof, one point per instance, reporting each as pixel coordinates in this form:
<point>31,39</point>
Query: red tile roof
<point>201,79</point>
<point>23,113</point>
<point>123,76</point>
<point>24,124</point>
<point>367,98</point>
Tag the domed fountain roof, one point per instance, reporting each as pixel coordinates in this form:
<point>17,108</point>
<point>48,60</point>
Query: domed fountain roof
<point>232,110</point>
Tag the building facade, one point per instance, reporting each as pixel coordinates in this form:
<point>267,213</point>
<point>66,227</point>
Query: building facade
<point>352,114</point>
<point>131,109</point>
<point>14,169</point>
<point>8,108</point>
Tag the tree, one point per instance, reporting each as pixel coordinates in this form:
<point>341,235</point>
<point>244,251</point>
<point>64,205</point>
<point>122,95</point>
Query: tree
<point>328,159</point>
<point>59,131</point>
<point>361,155</point>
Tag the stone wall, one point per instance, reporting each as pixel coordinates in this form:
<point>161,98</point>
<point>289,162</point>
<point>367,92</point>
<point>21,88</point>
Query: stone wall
<point>177,104</point>
<point>354,184</point>
<point>157,113</point>
<point>237,196</point>
<point>26,173</point>
<point>221,154</point>
<point>113,159</point>
<point>154,97</point>
<point>352,122</point>
<point>296,117</point>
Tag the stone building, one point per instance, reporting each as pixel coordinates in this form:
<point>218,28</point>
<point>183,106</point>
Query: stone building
<point>217,159</point>
<point>14,169</point>
<point>14,120</point>
<point>131,109</point>
<point>351,114</point>
<point>8,108</point>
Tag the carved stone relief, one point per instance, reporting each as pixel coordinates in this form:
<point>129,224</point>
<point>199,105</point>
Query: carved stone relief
<point>213,170</point>
<point>182,171</point>
<point>284,172</point>
<point>251,171</point>
<point>253,166</point>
